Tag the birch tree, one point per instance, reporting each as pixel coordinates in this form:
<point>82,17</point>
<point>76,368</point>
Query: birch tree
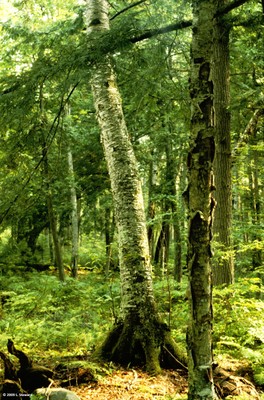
<point>139,336</point>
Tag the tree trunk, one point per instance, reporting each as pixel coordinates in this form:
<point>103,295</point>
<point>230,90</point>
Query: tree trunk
<point>151,206</point>
<point>53,224</point>
<point>223,267</point>
<point>200,205</point>
<point>109,236</point>
<point>172,206</point>
<point>177,246</point>
<point>74,219</point>
<point>51,213</point>
<point>139,335</point>
<point>255,200</point>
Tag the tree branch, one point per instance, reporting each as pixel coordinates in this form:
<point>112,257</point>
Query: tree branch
<point>183,24</point>
<point>127,8</point>
<point>229,7</point>
<point>158,31</point>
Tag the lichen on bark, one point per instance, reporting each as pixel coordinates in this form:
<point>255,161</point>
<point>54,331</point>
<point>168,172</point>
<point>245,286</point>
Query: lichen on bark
<point>200,205</point>
<point>139,337</point>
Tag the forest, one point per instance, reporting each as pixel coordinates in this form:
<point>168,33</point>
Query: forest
<point>131,199</point>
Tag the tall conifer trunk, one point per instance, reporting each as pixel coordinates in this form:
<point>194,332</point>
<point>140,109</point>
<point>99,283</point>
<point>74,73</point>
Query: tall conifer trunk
<point>52,215</point>
<point>223,268</point>
<point>139,335</point>
<point>200,205</point>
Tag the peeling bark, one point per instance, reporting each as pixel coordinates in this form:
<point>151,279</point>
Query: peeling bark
<point>139,335</point>
<point>200,205</point>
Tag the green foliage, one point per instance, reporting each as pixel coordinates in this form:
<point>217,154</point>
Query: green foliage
<point>43,315</point>
<point>238,319</point>
<point>47,317</point>
<point>239,323</point>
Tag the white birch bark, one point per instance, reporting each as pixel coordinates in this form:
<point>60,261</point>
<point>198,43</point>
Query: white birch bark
<point>140,329</point>
<point>136,281</point>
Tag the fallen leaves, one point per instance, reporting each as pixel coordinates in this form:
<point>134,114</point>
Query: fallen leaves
<point>134,385</point>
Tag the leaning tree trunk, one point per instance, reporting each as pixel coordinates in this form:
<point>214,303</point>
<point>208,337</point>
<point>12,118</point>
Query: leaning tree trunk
<point>200,205</point>
<point>139,335</point>
<point>223,267</point>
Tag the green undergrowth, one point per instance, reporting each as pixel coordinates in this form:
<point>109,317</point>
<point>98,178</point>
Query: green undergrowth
<point>42,314</point>
<point>239,324</point>
<point>50,319</point>
<point>238,332</point>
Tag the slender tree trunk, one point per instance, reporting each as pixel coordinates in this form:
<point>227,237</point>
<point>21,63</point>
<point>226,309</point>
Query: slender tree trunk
<point>177,246</point>
<point>255,197</point>
<point>200,205</point>
<point>223,267</point>
<point>139,334</point>
<point>171,206</point>
<point>52,215</point>
<point>74,219</point>
<point>151,207</point>
<point>53,221</point>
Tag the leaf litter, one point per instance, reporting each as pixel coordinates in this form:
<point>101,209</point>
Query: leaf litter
<point>135,385</point>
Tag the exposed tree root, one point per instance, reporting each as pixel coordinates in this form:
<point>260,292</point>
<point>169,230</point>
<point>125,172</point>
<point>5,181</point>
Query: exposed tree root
<point>128,345</point>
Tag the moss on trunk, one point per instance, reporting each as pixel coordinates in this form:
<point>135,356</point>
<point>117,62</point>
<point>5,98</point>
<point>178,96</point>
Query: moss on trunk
<point>130,344</point>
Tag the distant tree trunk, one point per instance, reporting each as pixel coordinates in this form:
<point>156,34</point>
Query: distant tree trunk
<point>51,213</point>
<point>177,245</point>
<point>171,207</point>
<point>53,220</point>
<point>139,335</point>
<point>74,219</point>
<point>223,267</point>
<point>255,197</point>
<point>158,250</point>
<point>200,205</point>
<point>151,207</point>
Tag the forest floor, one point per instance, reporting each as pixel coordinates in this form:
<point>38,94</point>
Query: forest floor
<point>135,385</point>
<point>112,383</point>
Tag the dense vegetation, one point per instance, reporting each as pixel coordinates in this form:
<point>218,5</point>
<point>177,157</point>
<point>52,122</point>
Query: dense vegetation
<point>56,208</point>
<point>52,319</point>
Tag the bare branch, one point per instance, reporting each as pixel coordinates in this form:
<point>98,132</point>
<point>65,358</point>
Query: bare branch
<point>127,8</point>
<point>158,31</point>
<point>229,7</point>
